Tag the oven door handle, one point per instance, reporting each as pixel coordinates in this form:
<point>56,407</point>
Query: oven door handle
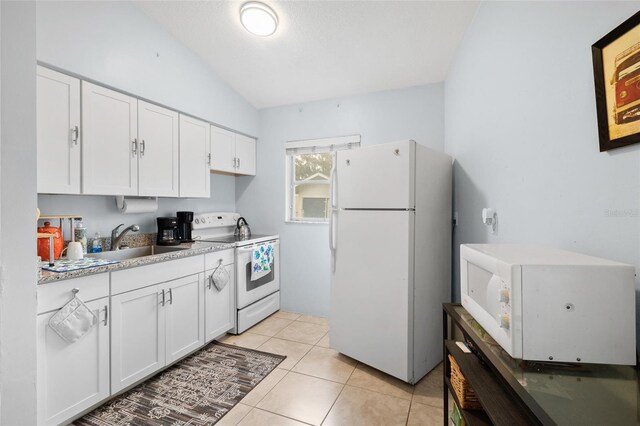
<point>250,248</point>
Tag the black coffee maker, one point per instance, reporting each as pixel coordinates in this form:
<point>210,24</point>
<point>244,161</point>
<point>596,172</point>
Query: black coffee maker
<point>168,231</point>
<point>185,225</point>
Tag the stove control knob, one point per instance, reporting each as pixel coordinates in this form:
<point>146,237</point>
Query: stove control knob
<point>504,321</point>
<point>504,295</point>
<point>197,220</point>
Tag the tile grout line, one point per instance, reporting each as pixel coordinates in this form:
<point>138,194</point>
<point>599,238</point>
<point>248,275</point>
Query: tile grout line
<point>314,377</point>
<point>280,415</point>
<point>297,341</point>
<point>321,378</point>
<point>413,392</point>
<point>293,418</point>
<point>242,418</point>
<point>406,422</point>
<point>324,419</point>
<point>380,393</point>
<point>269,391</point>
<point>344,385</point>
<point>298,361</point>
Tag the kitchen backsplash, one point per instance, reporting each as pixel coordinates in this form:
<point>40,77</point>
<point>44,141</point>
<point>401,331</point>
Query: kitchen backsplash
<point>100,214</point>
<point>138,239</point>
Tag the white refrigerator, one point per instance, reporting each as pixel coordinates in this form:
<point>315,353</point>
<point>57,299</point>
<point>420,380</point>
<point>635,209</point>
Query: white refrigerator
<point>390,240</point>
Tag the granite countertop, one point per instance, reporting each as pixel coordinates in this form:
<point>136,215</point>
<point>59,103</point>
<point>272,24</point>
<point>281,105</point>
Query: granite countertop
<point>191,249</point>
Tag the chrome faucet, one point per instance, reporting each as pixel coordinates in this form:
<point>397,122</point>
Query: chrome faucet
<point>115,238</point>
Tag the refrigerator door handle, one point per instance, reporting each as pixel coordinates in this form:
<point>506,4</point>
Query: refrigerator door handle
<point>331,230</point>
<point>333,184</point>
<point>332,239</point>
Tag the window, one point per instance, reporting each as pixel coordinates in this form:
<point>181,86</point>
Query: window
<point>309,164</point>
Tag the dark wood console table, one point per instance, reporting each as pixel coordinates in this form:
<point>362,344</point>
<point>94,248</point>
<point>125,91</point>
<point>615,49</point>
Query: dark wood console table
<point>516,392</point>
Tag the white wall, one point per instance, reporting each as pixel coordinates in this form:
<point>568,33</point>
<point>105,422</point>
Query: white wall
<point>117,44</point>
<point>101,215</point>
<point>415,113</point>
<point>17,211</point>
<point>520,120</point>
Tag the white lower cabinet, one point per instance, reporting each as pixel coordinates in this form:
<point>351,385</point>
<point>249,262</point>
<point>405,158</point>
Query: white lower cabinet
<point>153,327</point>
<point>220,308</point>
<point>149,317</point>
<point>72,377</point>
<point>137,337</point>
<point>184,309</point>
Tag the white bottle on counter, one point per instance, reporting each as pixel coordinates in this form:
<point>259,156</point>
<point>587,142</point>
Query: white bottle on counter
<point>80,234</point>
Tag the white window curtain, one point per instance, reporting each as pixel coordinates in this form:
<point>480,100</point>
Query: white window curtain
<point>313,146</point>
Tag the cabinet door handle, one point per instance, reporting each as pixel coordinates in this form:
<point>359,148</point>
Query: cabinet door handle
<point>238,162</point>
<point>162,297</point>
<point>209,159</point>
<point>170,297</point>
<point>142,146</point>
<point>106,315</point>
<point>134,146</point>
<point>75,132</point>
<point>209,281</point>
<point>234,162</point>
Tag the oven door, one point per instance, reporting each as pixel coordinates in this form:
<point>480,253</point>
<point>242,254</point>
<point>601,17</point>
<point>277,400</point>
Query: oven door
<point>252,291</point>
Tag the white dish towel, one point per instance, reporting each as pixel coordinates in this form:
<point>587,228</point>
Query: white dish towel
<point>73,320</point>
<point>220,277</point>
<point>261,260</point>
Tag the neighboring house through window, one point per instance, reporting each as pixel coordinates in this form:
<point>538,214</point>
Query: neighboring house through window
<point>308,174</point>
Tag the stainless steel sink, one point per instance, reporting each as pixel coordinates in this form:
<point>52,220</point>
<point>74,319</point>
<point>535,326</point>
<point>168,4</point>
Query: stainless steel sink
<point>134,252</point>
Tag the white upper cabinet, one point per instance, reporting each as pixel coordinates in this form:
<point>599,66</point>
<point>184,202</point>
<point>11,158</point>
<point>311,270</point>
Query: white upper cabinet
<point>195,157</point>
<point>245,155</point>
<point>58,132</point>
<point>232,152</point>
<point>98,141</point>
<point>110,143</point>
<point>157,150</point>
<point>223,150</point>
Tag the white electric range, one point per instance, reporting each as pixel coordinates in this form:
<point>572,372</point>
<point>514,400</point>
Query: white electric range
<point>255,300</point>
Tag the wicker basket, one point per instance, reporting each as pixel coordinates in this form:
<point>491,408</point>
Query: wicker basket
<point>463,390</point>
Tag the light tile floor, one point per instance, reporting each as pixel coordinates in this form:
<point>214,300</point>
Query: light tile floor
<point>315,385</point>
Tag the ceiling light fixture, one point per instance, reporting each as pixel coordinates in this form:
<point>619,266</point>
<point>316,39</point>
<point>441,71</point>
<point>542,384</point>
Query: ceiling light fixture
<point>258,18</point>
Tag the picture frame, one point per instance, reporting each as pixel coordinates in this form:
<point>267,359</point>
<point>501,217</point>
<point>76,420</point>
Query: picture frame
<point>616,71</point>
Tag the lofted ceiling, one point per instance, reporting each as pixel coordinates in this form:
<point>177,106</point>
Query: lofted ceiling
<point>322,49</point>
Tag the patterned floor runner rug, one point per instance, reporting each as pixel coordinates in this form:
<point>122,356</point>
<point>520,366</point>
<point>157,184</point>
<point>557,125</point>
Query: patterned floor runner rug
<point>198,390</point>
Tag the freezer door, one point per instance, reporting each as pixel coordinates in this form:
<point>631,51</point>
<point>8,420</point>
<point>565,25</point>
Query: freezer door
<point>372,289</point>
<point>376,177</point>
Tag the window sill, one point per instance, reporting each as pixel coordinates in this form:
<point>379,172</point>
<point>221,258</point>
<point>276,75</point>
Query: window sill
<point>307,222</point>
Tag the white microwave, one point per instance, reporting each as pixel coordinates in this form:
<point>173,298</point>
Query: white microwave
<point>545,304</point>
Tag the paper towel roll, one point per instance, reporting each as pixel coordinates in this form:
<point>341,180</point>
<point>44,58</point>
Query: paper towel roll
<point>136,205</point>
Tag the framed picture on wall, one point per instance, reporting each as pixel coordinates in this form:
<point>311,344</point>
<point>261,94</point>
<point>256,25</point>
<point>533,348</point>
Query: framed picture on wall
<point>616,70</point>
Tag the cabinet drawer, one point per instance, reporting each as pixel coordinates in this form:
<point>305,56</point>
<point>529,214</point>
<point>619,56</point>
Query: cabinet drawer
<point>54,295</point>
<point>142,276</point>
<point>212,260</point>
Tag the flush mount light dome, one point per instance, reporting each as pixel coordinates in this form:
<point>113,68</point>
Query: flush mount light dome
<point>258,18</point>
